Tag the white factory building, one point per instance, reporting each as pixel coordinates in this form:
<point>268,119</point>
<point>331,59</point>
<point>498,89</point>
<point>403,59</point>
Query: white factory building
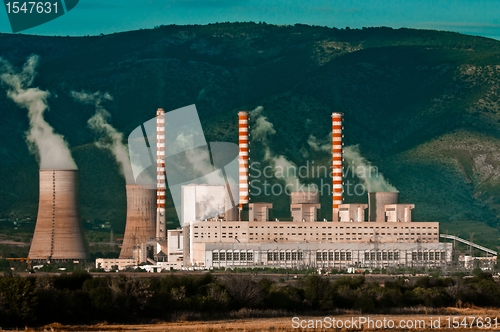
<point>379,234</point>
<point>350,242</point>
<point>375,235</point>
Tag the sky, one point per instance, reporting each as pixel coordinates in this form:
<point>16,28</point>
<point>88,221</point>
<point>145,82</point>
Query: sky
<point>93,17</point>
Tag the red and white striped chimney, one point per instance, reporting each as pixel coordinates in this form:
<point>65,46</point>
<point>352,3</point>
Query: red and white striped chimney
<point>243,158</point>
<point>337,189</point>
<point>161,222</point>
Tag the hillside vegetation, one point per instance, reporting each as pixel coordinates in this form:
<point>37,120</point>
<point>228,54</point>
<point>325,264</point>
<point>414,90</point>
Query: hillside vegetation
<point>422,106</point>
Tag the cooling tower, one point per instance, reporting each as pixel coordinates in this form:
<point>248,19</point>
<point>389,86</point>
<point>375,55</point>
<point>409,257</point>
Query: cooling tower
<point>243,158</point>
<point>337,189</point>
<point>140,224</point>
<point>58,233</point>
<point>377,202</point>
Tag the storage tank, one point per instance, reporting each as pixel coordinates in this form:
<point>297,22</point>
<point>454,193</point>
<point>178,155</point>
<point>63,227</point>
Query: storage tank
<point>140,223</point>
<point>377,202</point>
<point>58,233</point>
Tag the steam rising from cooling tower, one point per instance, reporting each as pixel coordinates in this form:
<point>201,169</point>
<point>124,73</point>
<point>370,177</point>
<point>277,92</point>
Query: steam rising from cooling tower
<point>374,181</point>
<point>262,130</point>
<point>141,202</point>
<point>110,138</point>
<point>51,149</point>
<point>319,145</point>
<point>358,165</point>
<point>58,233</point>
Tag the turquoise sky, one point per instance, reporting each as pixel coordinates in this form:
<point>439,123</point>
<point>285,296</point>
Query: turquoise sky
<point>92,17</point>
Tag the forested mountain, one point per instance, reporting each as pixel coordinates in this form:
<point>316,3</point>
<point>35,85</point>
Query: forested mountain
<point>423,107</point>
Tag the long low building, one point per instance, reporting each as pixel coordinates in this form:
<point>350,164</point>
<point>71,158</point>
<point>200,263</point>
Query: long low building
<point>331,255</point>
<point>291,232</point>
<point>307,244</point>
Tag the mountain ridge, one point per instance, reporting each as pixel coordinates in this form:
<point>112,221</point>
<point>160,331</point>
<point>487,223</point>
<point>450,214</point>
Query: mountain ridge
<point>401,91</point>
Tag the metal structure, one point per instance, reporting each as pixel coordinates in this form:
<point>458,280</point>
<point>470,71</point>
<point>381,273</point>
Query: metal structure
<point>243,159</point>
<point>140,224</point>
<point>469,243</point>
<point>337,189</point>
<point>58,233</point>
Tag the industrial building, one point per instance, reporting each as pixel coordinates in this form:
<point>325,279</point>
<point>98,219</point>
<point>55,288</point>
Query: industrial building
<point>379,234</point>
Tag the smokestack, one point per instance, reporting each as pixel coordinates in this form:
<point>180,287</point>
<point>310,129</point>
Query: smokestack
<point>336,164</point>
<point>58,233</point>
<point>140,224</point>
<point>243,159</point>
<point>161,220</point>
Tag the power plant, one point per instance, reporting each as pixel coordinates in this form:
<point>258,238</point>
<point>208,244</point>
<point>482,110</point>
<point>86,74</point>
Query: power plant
<point>58,233</point>
<point>379,234</point>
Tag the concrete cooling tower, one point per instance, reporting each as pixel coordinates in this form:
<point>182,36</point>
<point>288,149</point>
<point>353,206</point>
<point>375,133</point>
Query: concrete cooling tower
<point>58,232</point>
<point>377,202</point>
<point>141,214</point>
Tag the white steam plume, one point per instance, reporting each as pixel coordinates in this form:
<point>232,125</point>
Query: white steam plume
<point>110,138</point>
<point>283,168</point>
<point>51,149</point>
<point>372,179</point>
<point>319,145</point>
<point>357,164</point>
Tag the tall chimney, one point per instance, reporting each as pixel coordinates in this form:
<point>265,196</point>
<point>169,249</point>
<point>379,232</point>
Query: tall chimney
<point>58,232</point>
<point>336,164</point>
<point>161,220</point>
<point>140,224</point>
<point>243,159</point>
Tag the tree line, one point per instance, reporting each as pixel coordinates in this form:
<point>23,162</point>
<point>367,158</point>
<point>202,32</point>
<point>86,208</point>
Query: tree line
<point>80,298</point>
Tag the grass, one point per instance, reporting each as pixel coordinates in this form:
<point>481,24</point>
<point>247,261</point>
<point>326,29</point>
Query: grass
<point>286,324</point>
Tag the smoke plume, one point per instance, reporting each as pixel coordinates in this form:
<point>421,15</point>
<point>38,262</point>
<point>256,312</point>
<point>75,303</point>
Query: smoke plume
<point>320,145</point>
<point>109,138</point>
<point>51,149</point>
<point>283,168</point>
<point>372,179</point>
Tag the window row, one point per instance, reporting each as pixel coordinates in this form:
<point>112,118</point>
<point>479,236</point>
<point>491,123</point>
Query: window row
<point>382,256</point>
<point>232,256</point>
<point>333,256</point>
<point>428,256</point>
<point>285,256</point>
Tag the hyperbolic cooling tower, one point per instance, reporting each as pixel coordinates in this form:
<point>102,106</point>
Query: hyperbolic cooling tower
<point>140,224</point>
<point>58,233</point>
